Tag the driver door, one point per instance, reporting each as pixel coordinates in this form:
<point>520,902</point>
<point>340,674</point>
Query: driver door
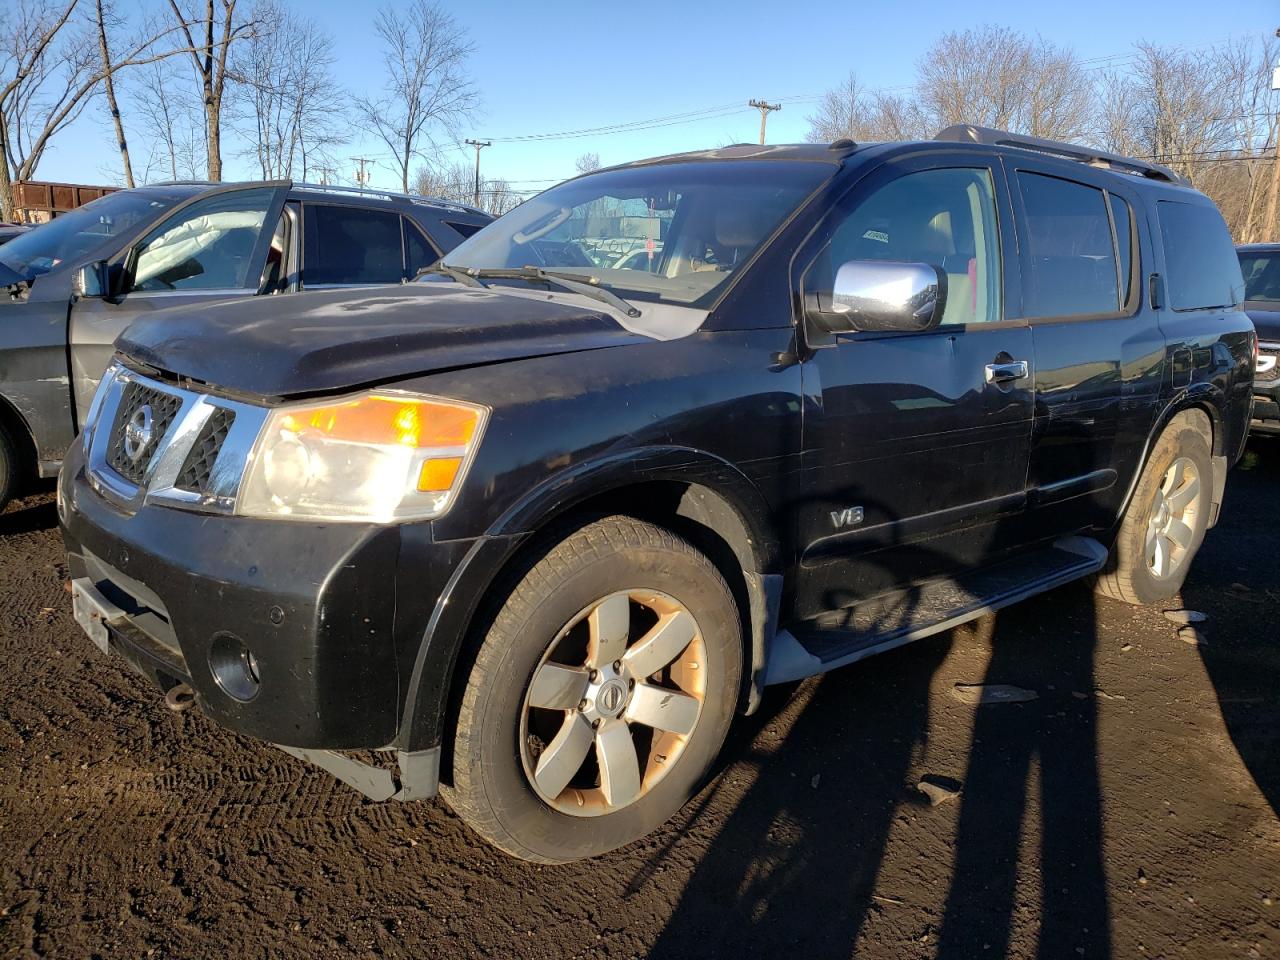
<point>916,445</point>
<point>213,248</point>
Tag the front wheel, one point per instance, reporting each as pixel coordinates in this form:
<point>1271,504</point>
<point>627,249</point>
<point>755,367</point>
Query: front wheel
<point>1166,520</point>
<point>600,695</point>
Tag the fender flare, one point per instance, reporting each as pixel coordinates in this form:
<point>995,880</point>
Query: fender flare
<point>1204,398</point>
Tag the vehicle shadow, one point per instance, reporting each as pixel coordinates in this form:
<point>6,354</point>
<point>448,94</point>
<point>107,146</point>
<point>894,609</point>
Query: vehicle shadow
<point>35,511</point>
<point>1241,657</point>
<point>1046,748</point>
<point>793,869</point>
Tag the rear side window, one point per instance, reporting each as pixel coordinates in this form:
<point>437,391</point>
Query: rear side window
<point>1261,276</point>
<point>1200,261</point>
<point>464,229</point>
<point>348,245</point>
<point>1073,268</point>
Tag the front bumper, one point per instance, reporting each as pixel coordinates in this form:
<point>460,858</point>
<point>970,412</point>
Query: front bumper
<point>1266,390</point>
<point>316,604</point>
<point>1266,407</point>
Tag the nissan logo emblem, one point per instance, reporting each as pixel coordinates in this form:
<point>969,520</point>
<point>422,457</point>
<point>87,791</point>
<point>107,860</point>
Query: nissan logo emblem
<point>137,433</point>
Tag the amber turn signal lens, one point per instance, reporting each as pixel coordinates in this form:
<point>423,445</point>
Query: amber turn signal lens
<point>438,474</point>
<point>399,421</point>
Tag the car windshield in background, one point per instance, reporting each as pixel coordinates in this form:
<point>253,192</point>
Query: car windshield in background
<point>671,232</point>
<point>83,230</point>
<point>1261,276</point>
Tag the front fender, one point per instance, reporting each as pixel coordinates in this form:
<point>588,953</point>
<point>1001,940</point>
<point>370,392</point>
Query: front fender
<point>483,560</point>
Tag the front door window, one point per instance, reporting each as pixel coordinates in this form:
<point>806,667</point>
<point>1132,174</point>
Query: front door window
<point>207,246</point>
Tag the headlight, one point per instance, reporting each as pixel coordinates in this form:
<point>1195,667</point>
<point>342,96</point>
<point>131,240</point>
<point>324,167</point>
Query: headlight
<point>377,457</point>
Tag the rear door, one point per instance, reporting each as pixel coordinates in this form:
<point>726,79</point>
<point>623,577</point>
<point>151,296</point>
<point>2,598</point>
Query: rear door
<point>916,445</point>
<point>214,248</point>
<point>1099,350</point>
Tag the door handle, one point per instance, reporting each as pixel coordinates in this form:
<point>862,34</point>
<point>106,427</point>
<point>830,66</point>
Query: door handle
<point>1008,372</point>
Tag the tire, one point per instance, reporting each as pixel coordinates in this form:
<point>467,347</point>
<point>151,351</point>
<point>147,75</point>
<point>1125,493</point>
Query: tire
<point>1132,569</point>
<point>8,468</point>
<point>510,754</point>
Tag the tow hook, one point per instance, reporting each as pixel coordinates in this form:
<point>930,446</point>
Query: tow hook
<point>180,698</point>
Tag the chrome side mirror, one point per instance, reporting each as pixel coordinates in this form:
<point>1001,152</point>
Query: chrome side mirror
<point>93,280</point>
<point>881,296</point>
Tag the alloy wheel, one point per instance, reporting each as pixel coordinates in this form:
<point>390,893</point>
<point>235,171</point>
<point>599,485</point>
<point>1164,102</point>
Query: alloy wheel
<point>1171,520</point>
<point>613,703</point>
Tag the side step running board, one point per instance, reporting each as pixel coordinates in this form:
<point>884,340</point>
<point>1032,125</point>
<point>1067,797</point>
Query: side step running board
<point>841,637</point>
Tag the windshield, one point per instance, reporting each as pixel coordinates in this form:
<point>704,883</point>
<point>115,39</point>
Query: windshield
<point>1261,276</point>
<point>74,234</point>
<point>673,232</point>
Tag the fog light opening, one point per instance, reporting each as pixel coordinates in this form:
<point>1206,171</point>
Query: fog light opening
<point>234,667</point>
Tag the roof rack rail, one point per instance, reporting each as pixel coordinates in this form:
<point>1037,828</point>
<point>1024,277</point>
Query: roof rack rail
<point>967,133</point>
<point>390,195</point>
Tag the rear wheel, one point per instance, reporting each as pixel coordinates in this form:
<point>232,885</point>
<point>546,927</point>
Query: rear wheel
<point>1166,519</point>
<point>600,695</point>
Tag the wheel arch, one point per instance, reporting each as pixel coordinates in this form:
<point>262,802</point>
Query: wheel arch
<point>697,496</point>
<point>1202,408</point>
<point>19,431</point>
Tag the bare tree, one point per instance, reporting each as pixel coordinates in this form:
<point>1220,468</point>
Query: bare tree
<point>292,107</point>
<point>1172,106</point>
<point>456,182</point>
<point>428,90</point>
<point>997,77</point>
<point>50,69</point>
<point>849,110</point>
<point>215,23</point>
<point>109,88</point>
<point>587,163</point>
<point>173,122</point>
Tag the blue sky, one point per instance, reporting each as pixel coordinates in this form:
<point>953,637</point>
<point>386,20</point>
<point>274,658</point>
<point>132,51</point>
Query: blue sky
<point>560,66</point>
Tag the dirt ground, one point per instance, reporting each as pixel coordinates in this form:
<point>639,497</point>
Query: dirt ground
<point>1131,810</point>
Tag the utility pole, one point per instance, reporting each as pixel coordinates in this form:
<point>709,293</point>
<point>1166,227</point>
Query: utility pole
<point>479,145</point>
<point>362,176</point>
<point>765,109</point>
<point>1275,164</point>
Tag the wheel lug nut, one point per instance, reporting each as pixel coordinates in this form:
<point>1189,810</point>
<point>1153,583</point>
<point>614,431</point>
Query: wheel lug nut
<point>617,665</point>
<point>595,675</point>
<point>583,705</point>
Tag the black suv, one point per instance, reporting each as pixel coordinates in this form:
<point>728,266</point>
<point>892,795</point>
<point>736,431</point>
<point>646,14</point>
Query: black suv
<point>1260,263</point>
<point>71,286</point>
<point>541,527</point>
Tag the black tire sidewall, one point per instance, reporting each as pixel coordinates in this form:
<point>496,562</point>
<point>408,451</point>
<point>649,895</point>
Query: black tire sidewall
<point>8,468</point>
<point>495,721</point>
<point>1183,441</point>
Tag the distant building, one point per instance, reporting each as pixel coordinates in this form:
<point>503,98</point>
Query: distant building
<point>39,201</point>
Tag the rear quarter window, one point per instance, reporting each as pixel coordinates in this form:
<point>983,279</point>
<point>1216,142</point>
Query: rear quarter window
<point>1202,271</point>
<point>464,229</point>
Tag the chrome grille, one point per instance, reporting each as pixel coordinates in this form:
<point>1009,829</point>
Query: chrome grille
<point>1268,363</point>
<point>197,469</point>
<point>161,408</point>
<point>149,440</point>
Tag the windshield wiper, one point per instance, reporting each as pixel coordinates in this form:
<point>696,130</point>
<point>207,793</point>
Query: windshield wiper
<point>574,283</point>
<point>449,270</point>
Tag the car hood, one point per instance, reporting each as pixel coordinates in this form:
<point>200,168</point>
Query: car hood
<point>340,339</point>
<point>1265,317</point>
